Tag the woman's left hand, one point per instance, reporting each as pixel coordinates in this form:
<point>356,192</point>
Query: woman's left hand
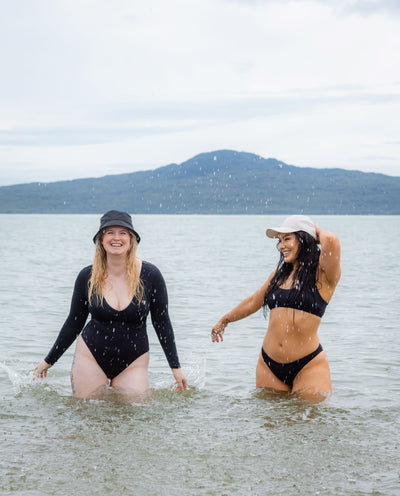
<point>180,380</point>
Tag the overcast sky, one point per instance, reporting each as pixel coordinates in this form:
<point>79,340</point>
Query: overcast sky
<point>95,87</point>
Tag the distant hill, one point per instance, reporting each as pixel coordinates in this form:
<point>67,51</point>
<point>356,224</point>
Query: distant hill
<point>220,182</point>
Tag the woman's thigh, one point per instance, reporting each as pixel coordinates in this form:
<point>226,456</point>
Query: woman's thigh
<point>314,379</point>
<point>135,377</point>
<point>87,377</point>
<point>265,378</point>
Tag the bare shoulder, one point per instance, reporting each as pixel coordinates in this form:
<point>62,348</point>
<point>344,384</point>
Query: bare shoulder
<point>267,282</point>
<point>258,296</point>
<point>264,287</point>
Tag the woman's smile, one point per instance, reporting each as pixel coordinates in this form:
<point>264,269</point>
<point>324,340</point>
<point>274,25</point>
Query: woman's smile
<point>288,246</point>
<point>116,240</point>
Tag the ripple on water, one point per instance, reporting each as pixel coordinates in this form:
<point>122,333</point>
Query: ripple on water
<point>221,436</point>
<point>198,440</point>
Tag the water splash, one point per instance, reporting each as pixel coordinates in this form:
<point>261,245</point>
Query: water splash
<point>193,368</point>
<point>196,374</point>
<point>18,379</point>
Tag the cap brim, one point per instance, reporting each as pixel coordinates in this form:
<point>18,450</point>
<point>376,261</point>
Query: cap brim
<point>274,232</point>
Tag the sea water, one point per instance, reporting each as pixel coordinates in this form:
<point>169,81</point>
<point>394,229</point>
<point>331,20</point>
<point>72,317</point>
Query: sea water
<point>222,436</point>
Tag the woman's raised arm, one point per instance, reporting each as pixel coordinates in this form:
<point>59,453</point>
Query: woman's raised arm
<point>329,260</point>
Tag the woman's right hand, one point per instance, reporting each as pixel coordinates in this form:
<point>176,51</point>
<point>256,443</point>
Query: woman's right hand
<point>41,369</point>
<point>217,332</point>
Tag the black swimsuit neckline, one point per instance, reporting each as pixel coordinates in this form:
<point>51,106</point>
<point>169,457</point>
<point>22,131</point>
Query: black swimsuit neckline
<point>130,303</point>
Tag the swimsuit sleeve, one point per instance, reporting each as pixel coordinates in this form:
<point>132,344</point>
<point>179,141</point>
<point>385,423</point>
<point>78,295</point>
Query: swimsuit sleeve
<point>75,320</point>
<point>160,318</point>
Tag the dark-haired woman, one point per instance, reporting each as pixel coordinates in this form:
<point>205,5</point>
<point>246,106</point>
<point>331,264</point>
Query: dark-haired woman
<point>119,291</point>
<point>296,294</point>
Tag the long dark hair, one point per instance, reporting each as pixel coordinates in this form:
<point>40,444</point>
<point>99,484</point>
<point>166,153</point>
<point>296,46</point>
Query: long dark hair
<point>305,274</point>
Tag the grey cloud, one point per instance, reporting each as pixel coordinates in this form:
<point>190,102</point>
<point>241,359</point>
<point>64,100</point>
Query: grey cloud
<point>245,108</point>
<point>363,7</point>
<point>76,136</point>
<point>367,7</point>
<point>122,122</point>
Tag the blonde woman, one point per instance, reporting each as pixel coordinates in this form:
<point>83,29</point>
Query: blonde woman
<point>119,291</point>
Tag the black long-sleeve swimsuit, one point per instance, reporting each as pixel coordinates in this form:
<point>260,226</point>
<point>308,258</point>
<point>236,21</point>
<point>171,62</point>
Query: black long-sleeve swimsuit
<point>118,337</point>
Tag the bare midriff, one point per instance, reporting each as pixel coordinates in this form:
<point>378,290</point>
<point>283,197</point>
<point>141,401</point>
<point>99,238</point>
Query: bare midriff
<point>291,334</point>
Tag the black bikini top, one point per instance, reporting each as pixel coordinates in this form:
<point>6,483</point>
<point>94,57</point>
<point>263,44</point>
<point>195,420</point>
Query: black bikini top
<point>309,301</point>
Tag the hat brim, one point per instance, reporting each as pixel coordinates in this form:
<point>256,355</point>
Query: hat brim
<point>119,224</point>
<point>274,232</point>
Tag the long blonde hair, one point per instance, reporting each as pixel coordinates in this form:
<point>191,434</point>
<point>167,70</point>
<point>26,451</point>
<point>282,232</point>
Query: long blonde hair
<point>99,271</point>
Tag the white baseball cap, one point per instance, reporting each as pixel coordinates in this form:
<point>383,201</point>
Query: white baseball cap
<point>294,223</point>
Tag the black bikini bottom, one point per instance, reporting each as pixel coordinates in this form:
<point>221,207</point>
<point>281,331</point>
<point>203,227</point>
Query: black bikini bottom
<point>286,372</point>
